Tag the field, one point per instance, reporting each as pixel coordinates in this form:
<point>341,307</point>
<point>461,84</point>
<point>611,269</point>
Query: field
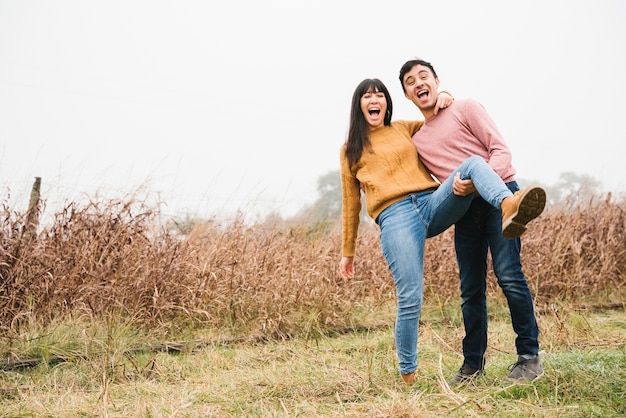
<point>112,311</point>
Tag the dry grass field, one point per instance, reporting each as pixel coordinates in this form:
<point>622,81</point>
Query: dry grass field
<point>119,258</point>
<point>114,278</point>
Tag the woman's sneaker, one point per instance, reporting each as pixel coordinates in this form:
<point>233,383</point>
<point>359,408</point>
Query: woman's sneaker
<point>525,369</point>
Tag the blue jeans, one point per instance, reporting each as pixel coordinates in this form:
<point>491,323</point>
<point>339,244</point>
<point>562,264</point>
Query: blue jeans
<point>404,227</point>
<point>479,230</point>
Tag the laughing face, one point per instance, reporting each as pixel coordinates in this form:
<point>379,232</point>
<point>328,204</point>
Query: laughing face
<point>374,108</point>
<point>420,86</point>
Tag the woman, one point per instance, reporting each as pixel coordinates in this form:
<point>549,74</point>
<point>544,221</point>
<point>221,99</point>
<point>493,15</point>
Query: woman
<point>406,203</point>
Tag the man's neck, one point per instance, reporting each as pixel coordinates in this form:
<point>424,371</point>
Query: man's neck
<point>427,112</point>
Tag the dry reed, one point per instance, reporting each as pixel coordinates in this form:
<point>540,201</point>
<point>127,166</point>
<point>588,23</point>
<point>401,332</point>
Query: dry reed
<point>116,257</point>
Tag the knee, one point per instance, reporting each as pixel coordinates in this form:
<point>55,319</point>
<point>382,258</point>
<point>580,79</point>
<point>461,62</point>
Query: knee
<point>510,277</point>
<point>472,290</point>
<point>475,160</point>
<point>471,163</point>
<point>514,286</point>
<point>409,309</point>
<point>473,297</point>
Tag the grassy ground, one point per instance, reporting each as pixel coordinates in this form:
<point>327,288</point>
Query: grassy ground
<point>347,374</point>
<point>99,291</point>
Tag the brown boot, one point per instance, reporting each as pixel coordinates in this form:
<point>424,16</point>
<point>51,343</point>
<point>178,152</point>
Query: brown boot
<point>524,206</point>
<point>409,379</point>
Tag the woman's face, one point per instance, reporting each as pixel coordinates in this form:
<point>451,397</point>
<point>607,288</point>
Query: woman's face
<point>374,108</point>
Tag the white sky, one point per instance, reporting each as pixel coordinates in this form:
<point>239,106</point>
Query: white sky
<point>216,105</point>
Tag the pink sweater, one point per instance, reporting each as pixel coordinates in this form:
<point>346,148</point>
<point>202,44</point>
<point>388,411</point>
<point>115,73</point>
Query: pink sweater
<point>461,130</point>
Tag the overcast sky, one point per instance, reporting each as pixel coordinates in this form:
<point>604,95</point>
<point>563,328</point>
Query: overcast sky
<point>216,105</point>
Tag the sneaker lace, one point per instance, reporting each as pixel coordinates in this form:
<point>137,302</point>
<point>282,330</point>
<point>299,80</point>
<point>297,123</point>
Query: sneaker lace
<point>518,363</point>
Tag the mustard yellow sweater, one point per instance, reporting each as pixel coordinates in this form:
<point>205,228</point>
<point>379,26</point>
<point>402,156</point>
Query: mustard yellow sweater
<point>387,173</point>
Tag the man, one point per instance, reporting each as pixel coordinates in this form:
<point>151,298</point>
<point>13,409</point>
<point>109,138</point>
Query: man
<point>463,129</point>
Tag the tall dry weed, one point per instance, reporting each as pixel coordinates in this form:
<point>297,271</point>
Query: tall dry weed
<point>118,257</point>
<point>579,250</point>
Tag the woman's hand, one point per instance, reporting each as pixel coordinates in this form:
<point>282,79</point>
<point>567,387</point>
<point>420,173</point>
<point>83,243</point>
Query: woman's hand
<point>346,267</point>
<point>444,99</point>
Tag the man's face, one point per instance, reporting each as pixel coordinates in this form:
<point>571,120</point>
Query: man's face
<point>420,87</point>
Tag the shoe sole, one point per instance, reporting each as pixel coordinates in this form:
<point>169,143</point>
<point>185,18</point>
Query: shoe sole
<point>461,379</point>
<point>532,203</point>
<point>525,378</point>
<point>464,381</point>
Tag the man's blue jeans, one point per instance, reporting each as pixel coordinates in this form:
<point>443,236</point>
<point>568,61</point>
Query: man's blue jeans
<point>404,227</point>
<point>477,231</point>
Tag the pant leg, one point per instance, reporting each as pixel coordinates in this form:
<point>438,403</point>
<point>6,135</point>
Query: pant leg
<point>471,247</point>
<point>402,238</point>
<point>507,266</point>
<point>445,208</point>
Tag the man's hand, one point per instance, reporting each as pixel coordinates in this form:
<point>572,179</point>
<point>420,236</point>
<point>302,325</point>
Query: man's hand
<point>346,267</point>
<point>462,187</point>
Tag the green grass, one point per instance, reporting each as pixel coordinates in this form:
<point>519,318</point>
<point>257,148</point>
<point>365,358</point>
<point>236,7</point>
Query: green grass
<point>351,374</point>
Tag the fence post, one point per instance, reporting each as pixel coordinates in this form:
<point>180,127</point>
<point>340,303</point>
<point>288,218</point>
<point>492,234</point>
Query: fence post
<point>32,218</point>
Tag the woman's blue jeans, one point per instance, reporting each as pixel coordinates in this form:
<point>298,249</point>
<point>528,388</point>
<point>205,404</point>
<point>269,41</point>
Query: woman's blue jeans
<point>404,227</point>
<point>478,231</point>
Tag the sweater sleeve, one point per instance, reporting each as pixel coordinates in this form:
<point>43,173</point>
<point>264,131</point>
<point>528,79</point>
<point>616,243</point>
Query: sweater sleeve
<point>350,207</point>
<point>485,130</point>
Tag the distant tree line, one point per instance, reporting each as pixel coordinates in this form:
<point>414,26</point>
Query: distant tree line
<point>570,186</point>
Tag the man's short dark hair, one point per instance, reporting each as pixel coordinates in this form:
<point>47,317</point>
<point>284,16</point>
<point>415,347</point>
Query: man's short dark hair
<point>412,63</point>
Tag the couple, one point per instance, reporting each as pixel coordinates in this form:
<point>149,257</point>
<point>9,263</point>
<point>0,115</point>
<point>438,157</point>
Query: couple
<point>460,145</point>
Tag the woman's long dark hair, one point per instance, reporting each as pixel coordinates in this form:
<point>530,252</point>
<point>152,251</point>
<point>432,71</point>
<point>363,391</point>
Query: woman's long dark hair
<point>358,133</point>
